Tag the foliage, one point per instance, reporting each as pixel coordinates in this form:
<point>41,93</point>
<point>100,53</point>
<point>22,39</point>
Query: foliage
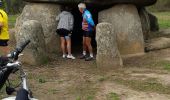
<point>12,20</point>
<point>163,19</point>
<point>13,6</point>
<point>161,5</point>
<point>112,96</point>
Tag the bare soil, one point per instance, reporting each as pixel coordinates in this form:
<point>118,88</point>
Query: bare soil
<point>144,77</point>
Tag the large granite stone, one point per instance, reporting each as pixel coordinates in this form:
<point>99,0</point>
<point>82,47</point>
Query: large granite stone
<point>127,24</point>
<point>45,14</point>
<point>145,21</point>
<point>108,55</point>
<point>100,2</point>
<point>35,53</point>
<point>157,44</point>
<point>149,23</point>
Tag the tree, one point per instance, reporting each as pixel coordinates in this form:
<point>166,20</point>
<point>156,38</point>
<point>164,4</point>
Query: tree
<point>8,5</point>
<point>13,6</point>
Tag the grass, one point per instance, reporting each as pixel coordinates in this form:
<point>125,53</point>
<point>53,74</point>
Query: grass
<point>102,78</point>
<point>160,65</point>
<point>163,19</point>
<point>12,20</point>
<point>2,93</point>
<point>84,91</point>
<point>149,85</point>
<point>161,5</point>
<point>165,65</point>
<point>41,80</point>
<point>89,97</point>
<point>87,90</point>
<point>112,96</point>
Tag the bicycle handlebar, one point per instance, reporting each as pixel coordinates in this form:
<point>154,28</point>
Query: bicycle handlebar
<point>8,65</point>
<point>18,50</point>
<point>23,45</point>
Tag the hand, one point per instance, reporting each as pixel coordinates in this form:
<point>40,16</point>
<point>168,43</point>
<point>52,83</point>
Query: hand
<point>85,26</point>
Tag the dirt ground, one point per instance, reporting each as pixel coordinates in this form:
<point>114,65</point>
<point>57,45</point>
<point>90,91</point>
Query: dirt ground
<point>145,77</point>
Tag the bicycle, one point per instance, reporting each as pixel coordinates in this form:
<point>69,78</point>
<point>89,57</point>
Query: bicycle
<point>9,65</point>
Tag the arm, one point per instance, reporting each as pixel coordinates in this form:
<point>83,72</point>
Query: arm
<point>89,19</point>
<point>71,22</point>
<point>57,18</point>
<point>1,23</point>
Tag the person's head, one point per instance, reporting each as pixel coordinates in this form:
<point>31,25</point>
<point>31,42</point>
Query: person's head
<point>65,8</point>
<point>82,7</point>
<point>68,8</point>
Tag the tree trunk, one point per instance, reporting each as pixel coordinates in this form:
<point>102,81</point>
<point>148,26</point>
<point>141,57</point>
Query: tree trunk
<point>8,5</point>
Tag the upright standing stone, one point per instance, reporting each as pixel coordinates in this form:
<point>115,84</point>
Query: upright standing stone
<point>126,22</point>
<point>107,52</point>
<point>149,23</point>
<point>35,53</point>
<point>44,13</point>
<point>145,21</point>
<point>99,3</point>
<point>158,43</point>
<point>154,26</point>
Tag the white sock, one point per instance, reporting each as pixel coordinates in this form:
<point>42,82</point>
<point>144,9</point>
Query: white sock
<point>91,55</point>
<point>84,52</point>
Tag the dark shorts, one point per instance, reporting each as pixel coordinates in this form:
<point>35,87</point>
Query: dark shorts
<point>62,32</point>
<point>87,33</point>
<point>3,42</point>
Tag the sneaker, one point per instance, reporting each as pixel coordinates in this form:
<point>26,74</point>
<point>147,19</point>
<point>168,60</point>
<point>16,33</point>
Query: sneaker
<point>89,58</point>
<point>64,56</point>
<point>83,57</point>
<point>70,57</point>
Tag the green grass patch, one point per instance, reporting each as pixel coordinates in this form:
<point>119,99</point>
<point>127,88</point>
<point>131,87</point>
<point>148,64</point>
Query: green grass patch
<point>78,98</point>
<point>86,97</point>
<point>53,91</point>
<point>157,65</point>
<point>149,85</point>
<point>14,82</point>
<point>12,20</point>
<point>161,5</point>
<point>160,65</point>
<point>2,93</point>
<point>86,94</point>
<point>163,19</point>
<point>113,96</point>
<point>83,91</point>
<point>42,80</point>
<point>102,78</point>
<point>165,65</point>
<point>44,60</point>
<point>90,97</point>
